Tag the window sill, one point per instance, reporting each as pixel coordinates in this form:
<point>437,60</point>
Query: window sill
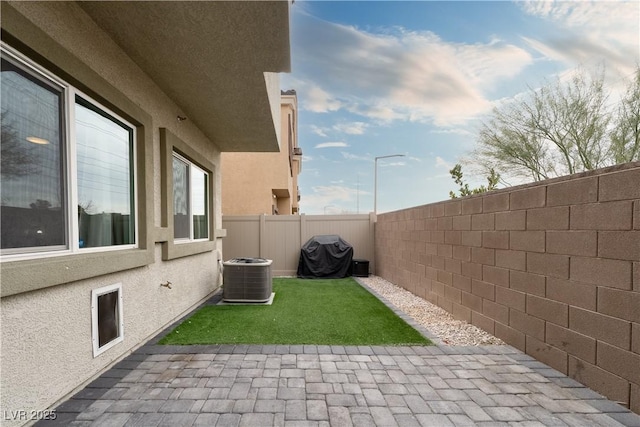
<point>34,274</point>
<point>172,250</point>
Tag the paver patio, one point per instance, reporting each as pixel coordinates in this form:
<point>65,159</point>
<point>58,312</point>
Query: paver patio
<point>316,385</point>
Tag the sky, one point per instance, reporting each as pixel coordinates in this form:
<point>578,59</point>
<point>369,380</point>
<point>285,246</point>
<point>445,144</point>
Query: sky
<point>417,78</point>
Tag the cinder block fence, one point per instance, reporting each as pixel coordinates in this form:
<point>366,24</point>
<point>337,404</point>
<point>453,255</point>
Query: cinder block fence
<point>552,268</point>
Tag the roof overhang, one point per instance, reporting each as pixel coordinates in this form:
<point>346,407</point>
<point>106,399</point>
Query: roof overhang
<point>215,59</point>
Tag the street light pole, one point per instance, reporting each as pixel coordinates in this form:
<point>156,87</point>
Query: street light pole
<point>358,196</point>
<point>375,180</point>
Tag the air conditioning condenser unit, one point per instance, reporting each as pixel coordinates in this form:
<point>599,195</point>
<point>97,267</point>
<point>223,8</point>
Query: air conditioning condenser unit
<point>247,280</point>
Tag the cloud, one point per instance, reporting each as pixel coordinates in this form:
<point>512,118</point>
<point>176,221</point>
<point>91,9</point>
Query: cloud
<point>591,32</point>
<point>350,156</point>
<point>394,74</point>
<point>381,110</point>
<point>453,131</point>
<point>331,145</point>
<point>442,163</point>
<point>320,101</point>
<point>319,131</point>
<point>400,74</point>
<point>353,128</point>
<point>315,172</point>
<point>349,128</point>
<point>330,198</point>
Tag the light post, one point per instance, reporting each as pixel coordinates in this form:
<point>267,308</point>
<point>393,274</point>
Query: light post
<point>358,196</point>
<point>325,208</point>
<point>375,180</point>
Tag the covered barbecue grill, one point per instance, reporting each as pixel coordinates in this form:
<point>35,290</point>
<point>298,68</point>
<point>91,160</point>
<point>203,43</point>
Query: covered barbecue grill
<point>325,256</point>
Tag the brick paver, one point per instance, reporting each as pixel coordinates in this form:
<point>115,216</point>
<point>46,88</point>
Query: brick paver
<point>337,386</point>
<point>470,386</point>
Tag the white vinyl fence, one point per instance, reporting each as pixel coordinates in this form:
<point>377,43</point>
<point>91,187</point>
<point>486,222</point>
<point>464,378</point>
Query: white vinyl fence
<point>280,237</point>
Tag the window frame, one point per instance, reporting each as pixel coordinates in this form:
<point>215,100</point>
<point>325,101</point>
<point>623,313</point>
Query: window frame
<point>21,36</point>
<point>36,72</point>
<point>175,248</point>
<point>191,166</point>
<point>133,173</point>
<point>95,294</point>
<point>69,96</point>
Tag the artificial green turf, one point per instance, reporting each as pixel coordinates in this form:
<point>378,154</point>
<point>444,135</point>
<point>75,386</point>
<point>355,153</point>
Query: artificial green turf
<point>330,312</point>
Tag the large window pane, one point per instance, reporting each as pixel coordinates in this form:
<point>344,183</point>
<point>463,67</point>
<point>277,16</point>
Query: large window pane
<point>180,199</point>
<point>105,180</point>
<point>33,213</point>
<point>199,203</point>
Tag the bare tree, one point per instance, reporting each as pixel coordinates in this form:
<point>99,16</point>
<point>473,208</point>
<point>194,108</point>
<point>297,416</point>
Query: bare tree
<point>508,143</point>
<point>625,135</point>
<point>561,128</point>
<point>17,160</point>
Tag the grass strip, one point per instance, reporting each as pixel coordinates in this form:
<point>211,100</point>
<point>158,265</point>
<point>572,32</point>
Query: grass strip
<point>329,312</point>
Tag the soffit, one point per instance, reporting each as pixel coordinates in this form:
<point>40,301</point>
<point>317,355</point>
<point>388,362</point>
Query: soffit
<point>281,192</point>
<point>210,58</point>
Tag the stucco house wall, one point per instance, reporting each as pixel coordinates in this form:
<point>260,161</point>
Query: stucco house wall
<point>249,179</point>
<point>253,183</point>
<point>45,315</point>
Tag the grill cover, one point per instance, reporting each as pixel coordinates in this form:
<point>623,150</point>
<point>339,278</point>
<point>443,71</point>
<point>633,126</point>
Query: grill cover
<point>327,256</point>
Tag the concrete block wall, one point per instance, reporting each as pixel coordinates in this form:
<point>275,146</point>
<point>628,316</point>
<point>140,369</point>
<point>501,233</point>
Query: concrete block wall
<point>552,268</point>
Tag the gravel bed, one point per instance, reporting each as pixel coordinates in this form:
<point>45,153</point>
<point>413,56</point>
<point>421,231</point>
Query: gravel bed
<point>433,318</point>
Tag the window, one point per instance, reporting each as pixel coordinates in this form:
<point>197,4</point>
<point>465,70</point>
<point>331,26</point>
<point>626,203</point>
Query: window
<point>62,153</point>
<point>107,325</point>
<point>104,149</point>
<point>190,200</point>
<point>187,183</point>
<point>33,204</point>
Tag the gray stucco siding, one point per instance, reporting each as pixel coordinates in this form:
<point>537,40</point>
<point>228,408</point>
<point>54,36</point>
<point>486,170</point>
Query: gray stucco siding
<point>45,302</point>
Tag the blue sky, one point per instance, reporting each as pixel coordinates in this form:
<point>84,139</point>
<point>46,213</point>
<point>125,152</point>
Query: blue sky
<point>417,78</point>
